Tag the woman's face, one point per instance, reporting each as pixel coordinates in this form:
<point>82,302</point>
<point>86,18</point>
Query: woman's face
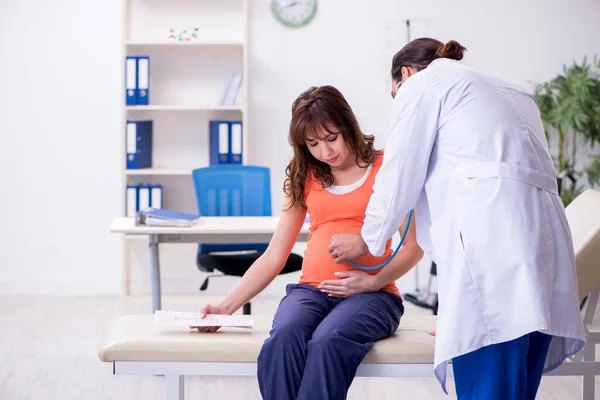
<point>330,148</point>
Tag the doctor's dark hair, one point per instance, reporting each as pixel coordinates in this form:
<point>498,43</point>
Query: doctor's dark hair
<point>419,53</point>
<point>315,108</point>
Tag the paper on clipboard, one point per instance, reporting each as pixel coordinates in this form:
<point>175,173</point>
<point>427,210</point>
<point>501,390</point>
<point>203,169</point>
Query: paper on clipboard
<point>193,319</point>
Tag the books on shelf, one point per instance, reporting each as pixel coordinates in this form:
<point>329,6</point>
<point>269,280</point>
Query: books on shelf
<point>231,90</point>
<point>162,217</point>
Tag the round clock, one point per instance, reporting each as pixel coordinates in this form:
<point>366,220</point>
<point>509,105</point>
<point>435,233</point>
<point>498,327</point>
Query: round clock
<point>294,13</point>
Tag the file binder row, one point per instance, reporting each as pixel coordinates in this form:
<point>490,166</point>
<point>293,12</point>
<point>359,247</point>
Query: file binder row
<point>143,195</point>
<point>137,80</point>
<point>232,88</point>
<point>139,144</point>
<point>225,142</point>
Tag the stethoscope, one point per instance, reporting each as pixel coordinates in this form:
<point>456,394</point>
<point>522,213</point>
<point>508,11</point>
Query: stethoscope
<point>393,254</point>
<point>403,234</point>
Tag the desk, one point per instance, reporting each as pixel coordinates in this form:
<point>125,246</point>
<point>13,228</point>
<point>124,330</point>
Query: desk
<point>211,230</point>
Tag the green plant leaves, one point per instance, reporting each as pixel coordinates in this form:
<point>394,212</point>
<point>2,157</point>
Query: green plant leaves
<point>570,103</point>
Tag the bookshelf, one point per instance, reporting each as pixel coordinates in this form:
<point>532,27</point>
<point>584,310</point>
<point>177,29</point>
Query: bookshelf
<point>196,43</point>
<point>158,172</point>
<point>188,72</point>
<point>208,107</point>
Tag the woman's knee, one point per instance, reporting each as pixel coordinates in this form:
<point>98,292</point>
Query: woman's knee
<point>285,337</point>
<point>329,341</point>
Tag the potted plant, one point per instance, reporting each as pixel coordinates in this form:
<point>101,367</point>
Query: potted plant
<point>570,110</point>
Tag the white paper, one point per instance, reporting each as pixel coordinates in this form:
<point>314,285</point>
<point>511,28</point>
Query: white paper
<point>193,319</point>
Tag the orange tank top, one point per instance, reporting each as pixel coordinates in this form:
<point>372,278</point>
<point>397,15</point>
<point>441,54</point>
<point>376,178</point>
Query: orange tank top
<point>330,214</point>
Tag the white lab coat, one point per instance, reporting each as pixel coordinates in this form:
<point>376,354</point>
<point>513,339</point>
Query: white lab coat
<point>468,153</point>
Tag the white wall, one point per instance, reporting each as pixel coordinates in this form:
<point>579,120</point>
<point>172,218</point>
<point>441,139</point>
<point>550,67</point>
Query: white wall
<point>60,70</point>
<point>59,141</point>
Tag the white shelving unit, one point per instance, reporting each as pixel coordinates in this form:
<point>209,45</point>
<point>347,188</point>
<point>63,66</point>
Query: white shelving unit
<point>187,79</point>
<point>158,172</point>
<point>197,43</point>
<point>154,107</point>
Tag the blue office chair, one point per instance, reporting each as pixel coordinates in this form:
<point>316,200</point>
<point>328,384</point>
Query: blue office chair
<point>234,190</point>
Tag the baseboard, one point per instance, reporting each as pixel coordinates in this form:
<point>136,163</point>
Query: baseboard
<point>51,287</point>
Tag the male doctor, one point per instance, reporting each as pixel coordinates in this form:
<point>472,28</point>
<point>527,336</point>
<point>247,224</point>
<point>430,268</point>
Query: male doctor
<point>468,153</point>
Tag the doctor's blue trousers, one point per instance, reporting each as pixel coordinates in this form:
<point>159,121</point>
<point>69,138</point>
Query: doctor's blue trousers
<point>505,371</point>
<point>317,342</point>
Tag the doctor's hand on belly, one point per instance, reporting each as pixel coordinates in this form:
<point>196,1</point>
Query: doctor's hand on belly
<point>347,246</point>
<point>350,283</point>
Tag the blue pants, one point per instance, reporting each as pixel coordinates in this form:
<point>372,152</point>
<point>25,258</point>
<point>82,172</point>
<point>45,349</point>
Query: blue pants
<point>317,342</point>
<point>504,371</point>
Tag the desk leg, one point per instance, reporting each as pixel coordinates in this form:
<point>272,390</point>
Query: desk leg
<point>155,272</point>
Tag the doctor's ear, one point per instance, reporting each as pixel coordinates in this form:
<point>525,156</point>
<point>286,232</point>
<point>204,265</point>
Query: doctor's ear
<point>407,72</point>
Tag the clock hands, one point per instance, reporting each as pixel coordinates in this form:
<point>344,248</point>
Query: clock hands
<point>291,4</point>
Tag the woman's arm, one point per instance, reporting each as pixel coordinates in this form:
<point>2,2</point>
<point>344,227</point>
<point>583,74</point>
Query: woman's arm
<point>353,282</point>
<point>269,264</point>
<point>264,269</point>
<point>407,257</point>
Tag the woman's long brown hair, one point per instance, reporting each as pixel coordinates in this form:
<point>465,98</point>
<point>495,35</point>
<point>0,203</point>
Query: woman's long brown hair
<point>321,107</point>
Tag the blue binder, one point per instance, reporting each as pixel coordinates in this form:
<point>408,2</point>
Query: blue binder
<point>219,142</point>
<point>163,217</point>
<point>132,203</point>
<point>139,144</point>
<point>235,149</point>
<point>143,81</point>
<point>156,196</point>
<point>131,81</point>
<point>144,192</point>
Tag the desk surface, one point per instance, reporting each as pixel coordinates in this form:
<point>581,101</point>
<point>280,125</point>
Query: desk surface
<point>209,226</point>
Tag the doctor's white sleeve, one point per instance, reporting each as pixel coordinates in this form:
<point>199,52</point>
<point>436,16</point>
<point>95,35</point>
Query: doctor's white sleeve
<point>401,177</point>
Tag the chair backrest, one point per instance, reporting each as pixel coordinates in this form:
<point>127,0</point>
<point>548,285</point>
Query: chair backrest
<point>232,190</point>
<point>583,215</point>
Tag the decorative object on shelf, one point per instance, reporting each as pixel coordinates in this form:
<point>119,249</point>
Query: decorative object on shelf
<point>184,35</point>
<point>294,13</point>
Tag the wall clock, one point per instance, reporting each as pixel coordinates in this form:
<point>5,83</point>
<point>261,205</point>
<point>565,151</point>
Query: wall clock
<point>294,13</point>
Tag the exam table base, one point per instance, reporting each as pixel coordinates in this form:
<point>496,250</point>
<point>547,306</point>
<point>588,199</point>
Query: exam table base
<point>174,372</point>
